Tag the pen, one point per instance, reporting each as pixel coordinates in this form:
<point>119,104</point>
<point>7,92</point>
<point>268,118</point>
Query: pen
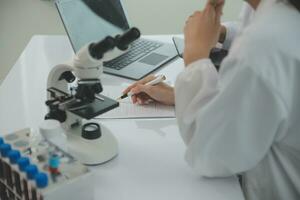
<point>157,80</point>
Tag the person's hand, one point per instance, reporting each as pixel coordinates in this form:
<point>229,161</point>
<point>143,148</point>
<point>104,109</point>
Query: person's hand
<point>202,32</point>
<point>144,94</point>
<point>223,33</point>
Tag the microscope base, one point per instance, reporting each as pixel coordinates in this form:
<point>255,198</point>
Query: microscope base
<point>92,152</point>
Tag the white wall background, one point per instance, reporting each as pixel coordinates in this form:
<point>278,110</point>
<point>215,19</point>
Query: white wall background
<point>20,19</point>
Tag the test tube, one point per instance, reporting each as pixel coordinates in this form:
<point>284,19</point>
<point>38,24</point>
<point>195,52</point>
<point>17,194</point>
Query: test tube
<point>2,185</point>
<point>5,149</point>
<point>23,162</point>
<point>41,182</point>
<point>34,193</point>
<point>30,170</point>
<point>2,190</point>
<point>17,175</point>
<point>14,156</point>
<point>1,165</point>
<point>25,189</point>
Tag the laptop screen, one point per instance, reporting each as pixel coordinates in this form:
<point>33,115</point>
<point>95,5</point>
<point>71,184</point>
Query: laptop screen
<point>91,20</point>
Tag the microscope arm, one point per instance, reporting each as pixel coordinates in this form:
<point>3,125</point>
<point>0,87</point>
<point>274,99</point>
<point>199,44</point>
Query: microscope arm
<point>83,66</point>
<point>59,78</point>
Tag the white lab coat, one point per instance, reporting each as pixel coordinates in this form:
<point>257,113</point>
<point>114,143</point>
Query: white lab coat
<point>233,28</point>
<point>246,118</point>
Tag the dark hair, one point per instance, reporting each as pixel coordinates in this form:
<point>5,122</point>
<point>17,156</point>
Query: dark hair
<point>295,3</point>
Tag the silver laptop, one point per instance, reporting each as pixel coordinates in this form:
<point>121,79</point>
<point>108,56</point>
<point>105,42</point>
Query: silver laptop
<point>87,21</point>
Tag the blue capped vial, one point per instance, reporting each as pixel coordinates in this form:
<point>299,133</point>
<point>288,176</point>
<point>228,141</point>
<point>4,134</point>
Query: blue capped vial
<point>41,180</point>
<point>4,149</point>
<point>23,162</point>
<point>13,156</point>
<point>31,171</point>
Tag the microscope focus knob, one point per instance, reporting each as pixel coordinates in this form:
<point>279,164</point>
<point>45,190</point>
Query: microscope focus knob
<point>67,76</point>
<point>56,114</point>
<point>97,88</point>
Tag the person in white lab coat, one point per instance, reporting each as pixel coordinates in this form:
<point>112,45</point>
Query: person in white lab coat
<point>246,118</point>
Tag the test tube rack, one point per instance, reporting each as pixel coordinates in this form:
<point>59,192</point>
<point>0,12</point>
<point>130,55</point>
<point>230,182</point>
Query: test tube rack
<point>32,168</point>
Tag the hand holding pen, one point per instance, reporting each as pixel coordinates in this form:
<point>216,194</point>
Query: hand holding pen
<point>150,88</point>
<point>158,79</point>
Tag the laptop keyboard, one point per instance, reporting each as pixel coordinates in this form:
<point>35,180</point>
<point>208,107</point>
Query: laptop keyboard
<point>138,49</point>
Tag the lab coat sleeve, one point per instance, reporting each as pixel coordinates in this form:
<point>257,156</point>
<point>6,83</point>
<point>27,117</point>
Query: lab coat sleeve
<point>227,126</point>
<point>233,28</point>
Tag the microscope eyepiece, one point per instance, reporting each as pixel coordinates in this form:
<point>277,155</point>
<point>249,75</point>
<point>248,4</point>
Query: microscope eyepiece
<point>97,50</point>
<point>123,41</point>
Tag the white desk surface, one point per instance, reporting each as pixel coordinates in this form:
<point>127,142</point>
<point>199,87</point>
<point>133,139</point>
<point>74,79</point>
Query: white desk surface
<point>150,164</point>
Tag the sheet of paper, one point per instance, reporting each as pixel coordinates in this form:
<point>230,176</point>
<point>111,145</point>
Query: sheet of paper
<point>129,110</point>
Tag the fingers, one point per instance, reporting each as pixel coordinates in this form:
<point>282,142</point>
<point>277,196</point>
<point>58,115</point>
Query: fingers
<point>144,94</point>
<point>212,6</point>
<point>142,99</point>
<point>134,99</point>
<point>220,2</point>
<point>214,3</point>
<point>140,93</point>
<point>143,81</point>
<point>128,89</point>
<point>214,10</point>
<point>192,16</point>
<point>139,88</point>
<point>146,79</point>
<point>219,9</point>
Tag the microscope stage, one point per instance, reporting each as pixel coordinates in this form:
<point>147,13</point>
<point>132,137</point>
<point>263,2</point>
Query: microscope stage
<point>101,105</point>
